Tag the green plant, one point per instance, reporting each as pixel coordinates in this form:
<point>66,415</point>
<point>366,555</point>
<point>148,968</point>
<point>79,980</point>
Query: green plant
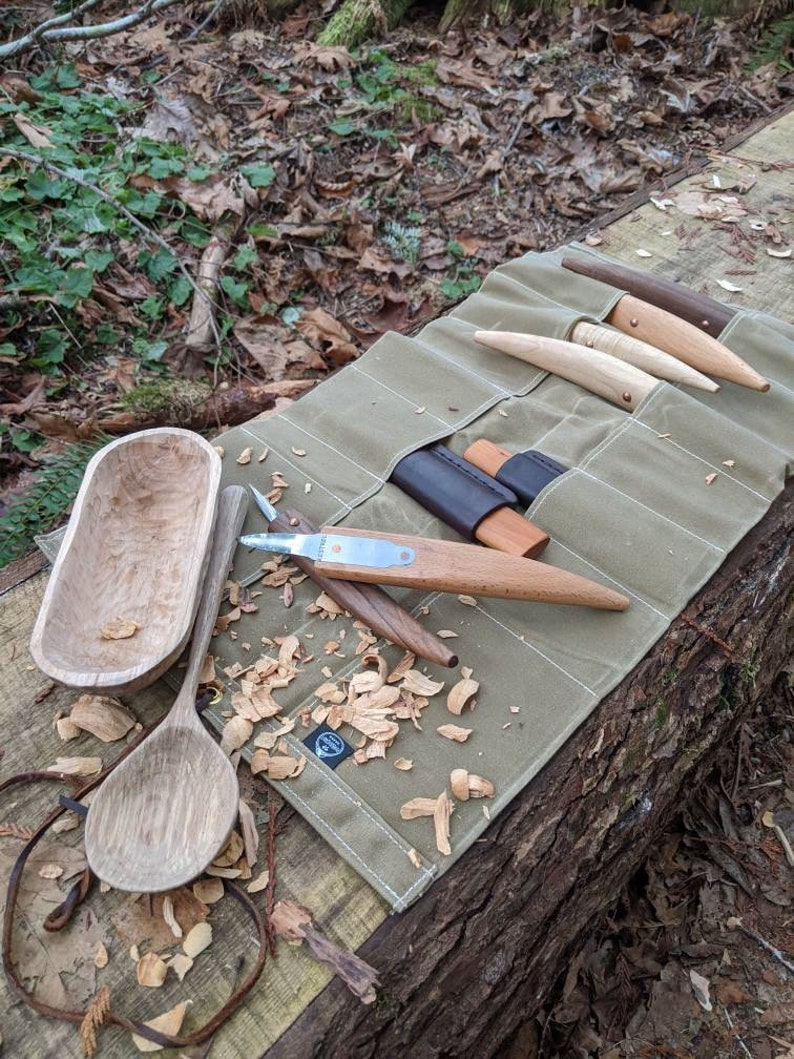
<point>464,280</point>
<point>403,242</point>
<point>776,45</point>
<point>43,505</point>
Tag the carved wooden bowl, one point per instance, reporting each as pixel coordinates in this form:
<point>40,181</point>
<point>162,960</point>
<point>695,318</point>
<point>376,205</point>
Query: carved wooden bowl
<point>124,590</point>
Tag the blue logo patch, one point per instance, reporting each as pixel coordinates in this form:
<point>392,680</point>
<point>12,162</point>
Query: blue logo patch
<point>328,745</point>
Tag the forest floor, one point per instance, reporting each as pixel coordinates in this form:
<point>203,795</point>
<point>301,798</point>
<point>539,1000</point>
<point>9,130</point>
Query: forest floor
<point>348,194</point>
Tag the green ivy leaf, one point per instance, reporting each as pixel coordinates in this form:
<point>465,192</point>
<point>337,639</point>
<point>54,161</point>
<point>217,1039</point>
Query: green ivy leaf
<point>259,175</point>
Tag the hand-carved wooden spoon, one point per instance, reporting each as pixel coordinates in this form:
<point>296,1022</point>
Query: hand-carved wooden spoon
<point>161,817</point>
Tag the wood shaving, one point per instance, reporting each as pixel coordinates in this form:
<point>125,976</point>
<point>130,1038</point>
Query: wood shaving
<point>170,917</point>
<point>197,940</point>
<point>479,787</point>
<point>277,766</point>
<point>180,965</point>
<point>151,970</point>
<point>461,695</point>
<point>414,858</point>
<point>459,781</point>
<point>50,871</point>
<point>66,729</point>
<point>711,478</point>
<point>417,807</point>
<point>446,634</point>
<point>441,818</point>
<point>103,717</point>
<point>208,890</point>
<point>404,764</point>
<point>223,873</point>
<point>403,666</point>
<point>169,1022</point>
<point>259,883</point>
<point>467,601</point>
<point>231,852</point>
<point>77,766</point>
<point>263,455</point>
<point>120,629</point>
<point>250,833</point>
<point>420,684</point>
<point>101,957</point>
<point>298,452</point>
<point>245,456</point>
<point>236,733</point>
<point>454,732</point>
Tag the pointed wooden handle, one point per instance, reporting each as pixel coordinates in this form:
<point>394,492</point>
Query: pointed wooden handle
<point>446,566</point>
<point>618,382</point>
<point>370,604</point>
<point>697,309</point>
<point>682,340</point>
<point>487,456</point>
<point>641,354</point>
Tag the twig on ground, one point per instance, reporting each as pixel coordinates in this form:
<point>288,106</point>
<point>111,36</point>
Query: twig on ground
<point>76,178</point>
<point>216,10</point>
<point>734,924</point>
<point>57,28</point>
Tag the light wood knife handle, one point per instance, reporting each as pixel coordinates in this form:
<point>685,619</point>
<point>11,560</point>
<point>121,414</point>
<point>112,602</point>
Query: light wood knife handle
<point>621,383</point>
<point>641,355</point>
<point>679,338</point>
<point>446,566</point>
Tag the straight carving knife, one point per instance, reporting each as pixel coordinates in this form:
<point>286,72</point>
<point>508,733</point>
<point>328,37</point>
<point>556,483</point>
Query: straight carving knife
<point>439,565</point>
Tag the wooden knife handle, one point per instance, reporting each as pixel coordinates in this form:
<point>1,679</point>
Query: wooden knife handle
<point>641,354</point>
<point>369,603</point>
<point>697,309</point>
<point>682,340</point>
<point>620,383</point>
<point>446,566</point>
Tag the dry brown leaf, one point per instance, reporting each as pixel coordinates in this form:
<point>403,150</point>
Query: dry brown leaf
<point>103,717</point>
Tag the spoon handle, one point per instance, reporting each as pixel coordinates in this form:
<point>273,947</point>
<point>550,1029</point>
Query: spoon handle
<point>231,513</point>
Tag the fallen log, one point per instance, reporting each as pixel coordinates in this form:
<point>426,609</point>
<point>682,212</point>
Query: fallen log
<point>465,967</point>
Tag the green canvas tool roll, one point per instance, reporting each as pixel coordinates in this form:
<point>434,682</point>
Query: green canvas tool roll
<point>651,505</point>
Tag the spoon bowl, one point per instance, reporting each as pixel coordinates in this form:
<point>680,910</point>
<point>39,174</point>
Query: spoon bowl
<point>166,812</point>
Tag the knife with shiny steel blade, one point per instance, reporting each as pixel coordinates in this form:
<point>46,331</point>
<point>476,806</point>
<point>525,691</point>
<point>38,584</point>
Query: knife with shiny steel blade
<point>369,603</point>
<point>438,565</point>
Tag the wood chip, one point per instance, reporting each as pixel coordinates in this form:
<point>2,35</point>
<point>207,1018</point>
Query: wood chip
<point>467,601</point>
<point>298,452</point>
<point>209,890</point>
<point>259,883</point>
<point>67,729</point>
<point>169,1022</point>
<point>454,732</point>
<point>101,957</point>
<point>50,871</point>
<point>77,766</point>
<point>711,477</point>
<point>197,940</point>
<point>263,455</point>
<point>180,965</point>
<point>417,807</point>
<point>250,833</point>
<point>441,817</point>
<point>479,787</point>
<point>414,858</point>
<point>103,717</point>
<point>461,694</point>
<point>151,970</point>
<point>404,764</point>
<point>245,456</point>
<point>459,780</point>
<point>170,917</point>
<point>120,629</point>
<point>236,733</point>
<point>446,634</point>
<point>231,852</point>
<point>420,684</point>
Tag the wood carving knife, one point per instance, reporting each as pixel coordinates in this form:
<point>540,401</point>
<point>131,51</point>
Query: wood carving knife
<point>376,608</point>
<point>703,312</point>
<point>601,374</point>
<point>437,565</point>
<point>640,354</point>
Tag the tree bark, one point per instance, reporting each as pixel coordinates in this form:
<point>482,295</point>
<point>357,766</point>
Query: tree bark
<point>476,957</point>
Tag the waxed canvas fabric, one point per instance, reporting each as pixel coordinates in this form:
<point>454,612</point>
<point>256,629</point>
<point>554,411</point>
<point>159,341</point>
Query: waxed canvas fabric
<point>638,510</point>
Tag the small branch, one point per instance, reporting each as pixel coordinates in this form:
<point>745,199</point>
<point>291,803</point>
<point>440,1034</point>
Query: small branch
<point>55,29</point>
<point>76,178</point>
<point>770,948</point>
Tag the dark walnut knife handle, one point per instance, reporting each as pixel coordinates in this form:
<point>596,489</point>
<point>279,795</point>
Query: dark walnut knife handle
<point>369,603</point>
<point>698,309</point>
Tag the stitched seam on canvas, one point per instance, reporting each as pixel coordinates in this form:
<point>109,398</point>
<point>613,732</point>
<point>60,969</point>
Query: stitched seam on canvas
<point>396,393</point>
